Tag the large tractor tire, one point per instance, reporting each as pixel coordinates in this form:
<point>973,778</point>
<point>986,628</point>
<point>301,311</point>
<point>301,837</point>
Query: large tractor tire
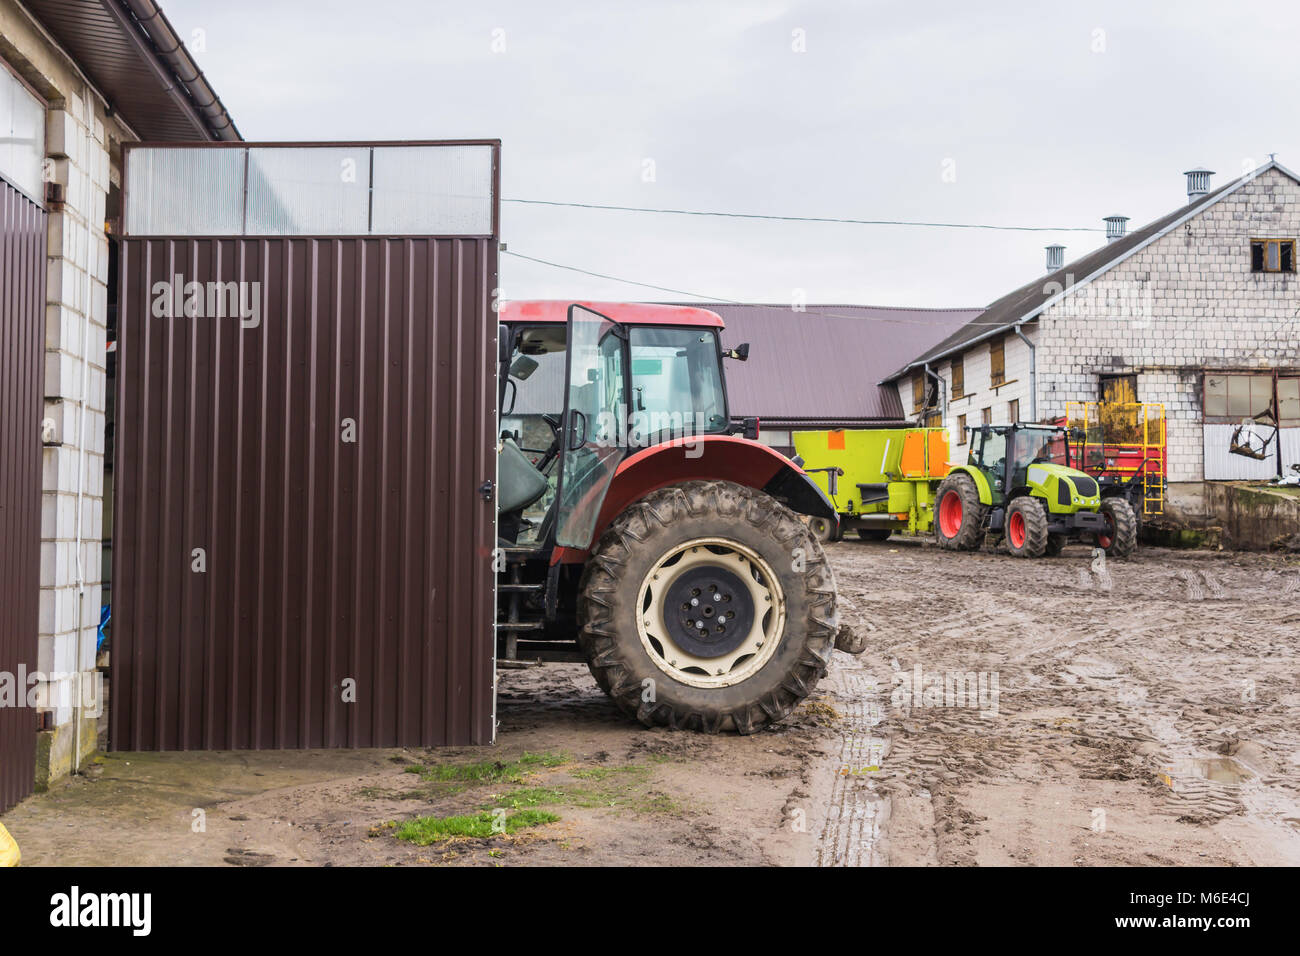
<point>1121,538</point>
<point>707,606</point>
<point>959,516</point>
<point>1055,545</point>
<point>1027,535</point>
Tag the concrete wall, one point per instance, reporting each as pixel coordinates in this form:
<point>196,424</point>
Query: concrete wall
<point>1186,303</point>
<point>83,147</point>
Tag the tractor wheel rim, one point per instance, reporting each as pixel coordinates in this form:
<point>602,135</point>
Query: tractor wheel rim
<point>1106,538</point>
<point>712,658</point>
<point>1016,529</point>
<point>950,514</point>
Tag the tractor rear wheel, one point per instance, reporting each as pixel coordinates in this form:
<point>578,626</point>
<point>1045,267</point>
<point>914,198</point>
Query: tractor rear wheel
<point>1027,527</point>
<point>708,606</point>
<point>874,534</point>
<point>1120,537</point>
<point>959,515</point>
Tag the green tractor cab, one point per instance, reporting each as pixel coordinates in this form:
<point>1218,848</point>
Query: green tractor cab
<point>1016,485</point>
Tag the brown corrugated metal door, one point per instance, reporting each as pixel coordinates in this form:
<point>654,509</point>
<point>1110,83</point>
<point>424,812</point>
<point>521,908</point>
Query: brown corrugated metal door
<point>302,557</point>
<point>22,354</point>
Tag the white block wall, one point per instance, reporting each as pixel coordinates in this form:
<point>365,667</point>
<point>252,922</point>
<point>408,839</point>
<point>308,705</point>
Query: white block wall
<point>1186,303</point>
<point>76,316</point>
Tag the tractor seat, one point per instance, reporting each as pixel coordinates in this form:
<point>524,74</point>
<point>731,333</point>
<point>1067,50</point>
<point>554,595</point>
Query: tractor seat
<point>520,483</point>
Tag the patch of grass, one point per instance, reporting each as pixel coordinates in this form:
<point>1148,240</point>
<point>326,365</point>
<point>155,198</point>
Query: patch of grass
<point>621,787</point>
<point>423,831</point>
<point>489,771</point>
<point>531,797</point>
<point>601,774</point>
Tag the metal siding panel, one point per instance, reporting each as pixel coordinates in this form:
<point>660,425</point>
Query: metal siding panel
<point>325,560</point>
<point>22,354</point>
<point>1222,465</point>
<point>1290,439</point>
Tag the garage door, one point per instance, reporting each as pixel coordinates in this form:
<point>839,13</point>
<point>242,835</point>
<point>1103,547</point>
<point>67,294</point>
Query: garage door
<point>22,352</point>
<point>306,400</point>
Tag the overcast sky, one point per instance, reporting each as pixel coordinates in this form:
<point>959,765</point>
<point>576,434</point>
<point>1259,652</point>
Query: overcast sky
<point>1038,115</point>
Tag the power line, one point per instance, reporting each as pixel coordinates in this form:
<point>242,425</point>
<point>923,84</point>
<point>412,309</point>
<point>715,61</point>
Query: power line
<point>725,301</point>
<point>856,222</point>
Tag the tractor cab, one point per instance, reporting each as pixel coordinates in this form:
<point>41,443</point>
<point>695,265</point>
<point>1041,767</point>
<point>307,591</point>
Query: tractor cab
<point>1004,454</point>
<point>581,392</point>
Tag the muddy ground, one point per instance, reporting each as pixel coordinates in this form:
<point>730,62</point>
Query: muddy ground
<point>1142,712</point>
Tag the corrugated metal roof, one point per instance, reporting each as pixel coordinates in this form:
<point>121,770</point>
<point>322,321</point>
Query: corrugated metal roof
<point>1029,299</point>
<point>821,366</point>
<point>131,53</point>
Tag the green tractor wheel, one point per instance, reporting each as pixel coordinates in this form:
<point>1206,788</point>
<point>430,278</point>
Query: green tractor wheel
<point>959,515</point>
<point>1027,535</point>
<point>1120,538</point>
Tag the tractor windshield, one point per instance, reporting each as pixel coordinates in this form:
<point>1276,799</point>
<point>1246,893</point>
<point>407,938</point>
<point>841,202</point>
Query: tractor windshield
<point>1031,445</point>
<point>676,384</point>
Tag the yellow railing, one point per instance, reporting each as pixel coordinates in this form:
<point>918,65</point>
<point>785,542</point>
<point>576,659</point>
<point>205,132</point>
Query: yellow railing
<point>1123,439</point>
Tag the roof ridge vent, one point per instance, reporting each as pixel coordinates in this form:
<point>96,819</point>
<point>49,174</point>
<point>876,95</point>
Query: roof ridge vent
<point>1198,182</point>
<point>1055,257</point>
<point>1116,227</point>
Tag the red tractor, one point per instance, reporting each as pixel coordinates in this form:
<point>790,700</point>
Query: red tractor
<point>639,534</point>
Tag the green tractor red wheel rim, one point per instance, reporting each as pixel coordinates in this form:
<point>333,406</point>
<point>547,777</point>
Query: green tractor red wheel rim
<point>950,514</point>
<point>1016,529</point>
<point>1106,538</point>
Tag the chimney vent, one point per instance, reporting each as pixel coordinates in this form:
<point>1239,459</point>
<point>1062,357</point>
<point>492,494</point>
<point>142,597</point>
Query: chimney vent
<point>1198,183</point>
<point>1116,226</point>
<point>1055,257</point>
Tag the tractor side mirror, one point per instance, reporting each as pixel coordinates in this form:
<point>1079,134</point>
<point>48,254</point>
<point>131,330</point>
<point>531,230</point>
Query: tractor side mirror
<point>750,429</point>
<point>523,367</point>
<point>740,353</point>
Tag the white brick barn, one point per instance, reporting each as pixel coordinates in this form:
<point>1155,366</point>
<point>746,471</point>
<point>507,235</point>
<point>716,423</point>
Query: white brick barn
<point>1199,310</point>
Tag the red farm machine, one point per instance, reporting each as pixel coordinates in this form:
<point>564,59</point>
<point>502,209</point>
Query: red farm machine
<point>638,533</point>
<point>1122,445</point>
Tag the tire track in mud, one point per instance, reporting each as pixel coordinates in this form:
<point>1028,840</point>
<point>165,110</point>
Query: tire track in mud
<point>853,831</point>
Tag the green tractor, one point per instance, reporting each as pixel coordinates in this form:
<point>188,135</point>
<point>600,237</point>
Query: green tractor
<point>1016,486</point>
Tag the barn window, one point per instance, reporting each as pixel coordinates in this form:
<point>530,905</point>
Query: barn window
<point>1272,255</point>
<point>986,416</point>
<point>961,429</point>
<point>958,377</point>
<point>1013,410</point>
<point>1235,397</point>
<point>918,391</point>
<point>1288,401</point>
<point>997,362</point>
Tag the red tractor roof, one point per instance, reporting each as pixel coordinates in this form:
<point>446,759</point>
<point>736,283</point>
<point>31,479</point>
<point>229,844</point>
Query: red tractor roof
<point>624,313</point>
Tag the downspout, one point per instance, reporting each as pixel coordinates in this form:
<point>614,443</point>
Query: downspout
<point>1033,374</point>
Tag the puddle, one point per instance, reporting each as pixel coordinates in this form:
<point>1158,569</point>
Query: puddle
<point>1223,770</point>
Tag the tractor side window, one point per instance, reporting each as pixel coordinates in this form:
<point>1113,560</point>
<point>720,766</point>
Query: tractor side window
<point>676,384</point>
<point>538,390</point>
